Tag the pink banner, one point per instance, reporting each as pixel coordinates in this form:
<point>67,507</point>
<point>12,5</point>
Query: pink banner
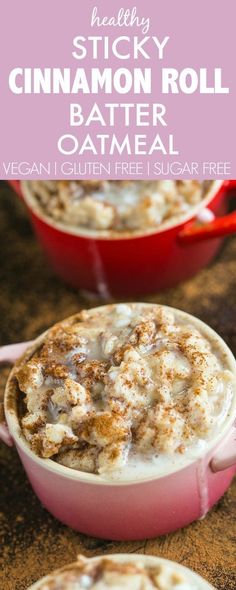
<point>117,90</point>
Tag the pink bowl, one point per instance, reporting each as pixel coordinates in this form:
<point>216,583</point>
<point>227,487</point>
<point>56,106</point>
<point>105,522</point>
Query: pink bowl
<point>144,560</point>
<point>125,510</point>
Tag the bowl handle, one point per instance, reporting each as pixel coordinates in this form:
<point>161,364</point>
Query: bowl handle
<point>225,456</point>
<point>15,184</point>
<point>5,436</point>
<point>8,355</point>
<point>230,184</point>
<point>216,228</point>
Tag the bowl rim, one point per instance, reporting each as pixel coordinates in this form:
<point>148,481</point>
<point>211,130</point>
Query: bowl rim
<point>105,235</point>
<point>135,557</point>
<point>95,479</point>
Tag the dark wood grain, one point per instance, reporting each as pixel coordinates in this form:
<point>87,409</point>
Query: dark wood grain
<point>31,299</point>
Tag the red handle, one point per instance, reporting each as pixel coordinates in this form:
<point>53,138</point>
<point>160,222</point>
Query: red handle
<point>218,228</point>
<point>231,183</point>
<point>15,184</point>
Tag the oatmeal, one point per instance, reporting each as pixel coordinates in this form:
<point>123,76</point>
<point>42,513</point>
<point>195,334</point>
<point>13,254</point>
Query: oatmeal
<point>117,206</point>
<point>122,384</point>
<point>108,573</point>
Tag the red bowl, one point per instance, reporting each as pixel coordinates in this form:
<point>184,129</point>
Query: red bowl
<point>141,264</point>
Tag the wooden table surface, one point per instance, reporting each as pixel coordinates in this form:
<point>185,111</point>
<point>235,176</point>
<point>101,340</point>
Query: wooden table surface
<point>31,299</point>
